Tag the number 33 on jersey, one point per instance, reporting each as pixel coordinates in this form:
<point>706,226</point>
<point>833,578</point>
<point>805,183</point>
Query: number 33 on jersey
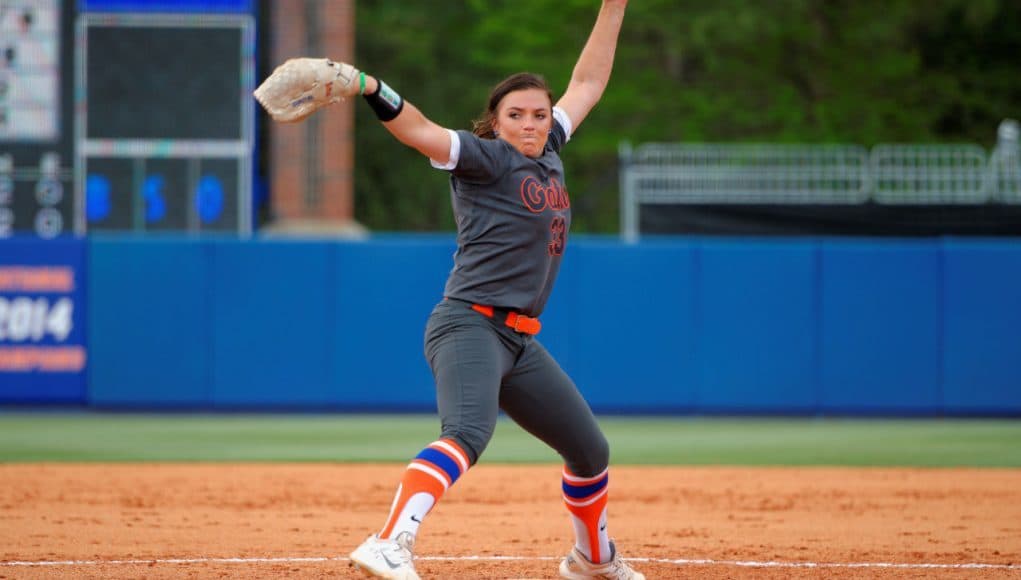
<point>553,197</point>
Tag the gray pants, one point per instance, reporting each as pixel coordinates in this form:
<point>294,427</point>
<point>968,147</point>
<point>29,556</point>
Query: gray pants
<point>482,366</point>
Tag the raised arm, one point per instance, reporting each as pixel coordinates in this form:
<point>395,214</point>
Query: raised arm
<point>592,71</point>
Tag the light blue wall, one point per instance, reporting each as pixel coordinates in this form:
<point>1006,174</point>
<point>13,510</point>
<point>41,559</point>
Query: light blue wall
<point>675,325</point>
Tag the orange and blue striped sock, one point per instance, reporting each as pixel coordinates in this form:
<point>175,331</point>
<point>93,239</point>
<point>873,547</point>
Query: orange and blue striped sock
<point>428,475</point>
<point>586,499</point>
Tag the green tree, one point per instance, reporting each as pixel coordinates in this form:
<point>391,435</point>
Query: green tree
<point>807,71</point>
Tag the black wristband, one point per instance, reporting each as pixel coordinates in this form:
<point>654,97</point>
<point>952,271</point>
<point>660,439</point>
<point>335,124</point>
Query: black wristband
<point>385,102</point>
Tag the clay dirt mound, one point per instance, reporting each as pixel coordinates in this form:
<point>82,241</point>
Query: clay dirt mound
<point>300,521</point>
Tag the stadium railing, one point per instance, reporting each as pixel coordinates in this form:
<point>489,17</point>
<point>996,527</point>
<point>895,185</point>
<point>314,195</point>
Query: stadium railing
<point>892,174</point>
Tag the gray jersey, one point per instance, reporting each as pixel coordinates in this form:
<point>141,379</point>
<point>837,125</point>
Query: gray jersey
<point>513,214</point>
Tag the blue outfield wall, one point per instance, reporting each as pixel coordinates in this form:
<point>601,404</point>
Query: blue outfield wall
<point>673,325</point>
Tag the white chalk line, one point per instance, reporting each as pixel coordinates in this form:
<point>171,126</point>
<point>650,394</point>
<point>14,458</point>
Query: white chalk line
<point>675,562</point>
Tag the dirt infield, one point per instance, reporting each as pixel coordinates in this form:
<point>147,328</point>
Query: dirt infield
<point>300,521</point>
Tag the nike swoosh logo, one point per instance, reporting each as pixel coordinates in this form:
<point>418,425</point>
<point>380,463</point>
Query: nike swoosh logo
<point>602,528</point>
<point>389,563</point>
<point>414,519</point>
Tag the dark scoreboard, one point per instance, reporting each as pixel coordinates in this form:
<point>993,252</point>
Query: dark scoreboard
<point>166,122</point>
<point>125,116</point>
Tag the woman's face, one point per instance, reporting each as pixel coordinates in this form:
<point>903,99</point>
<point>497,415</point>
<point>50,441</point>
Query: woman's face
<point>524,119</point>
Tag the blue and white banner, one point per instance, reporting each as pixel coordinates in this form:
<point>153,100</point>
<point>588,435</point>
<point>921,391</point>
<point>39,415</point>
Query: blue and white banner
<point>43,356</point>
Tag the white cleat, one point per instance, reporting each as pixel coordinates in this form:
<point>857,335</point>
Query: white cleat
<point>391,559</point>
<point>577,567</point>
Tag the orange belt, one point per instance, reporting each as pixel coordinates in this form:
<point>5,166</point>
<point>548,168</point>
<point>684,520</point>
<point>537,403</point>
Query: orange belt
<point>519,322</point>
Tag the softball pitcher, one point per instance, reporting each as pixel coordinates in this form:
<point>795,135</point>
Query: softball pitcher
<point>513,214</point>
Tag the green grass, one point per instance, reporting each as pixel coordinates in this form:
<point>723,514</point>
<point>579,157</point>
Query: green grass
<point>33,437</point>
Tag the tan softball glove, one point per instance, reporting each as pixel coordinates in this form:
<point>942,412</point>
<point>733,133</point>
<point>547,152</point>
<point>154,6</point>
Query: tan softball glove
<point>302,86</point>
